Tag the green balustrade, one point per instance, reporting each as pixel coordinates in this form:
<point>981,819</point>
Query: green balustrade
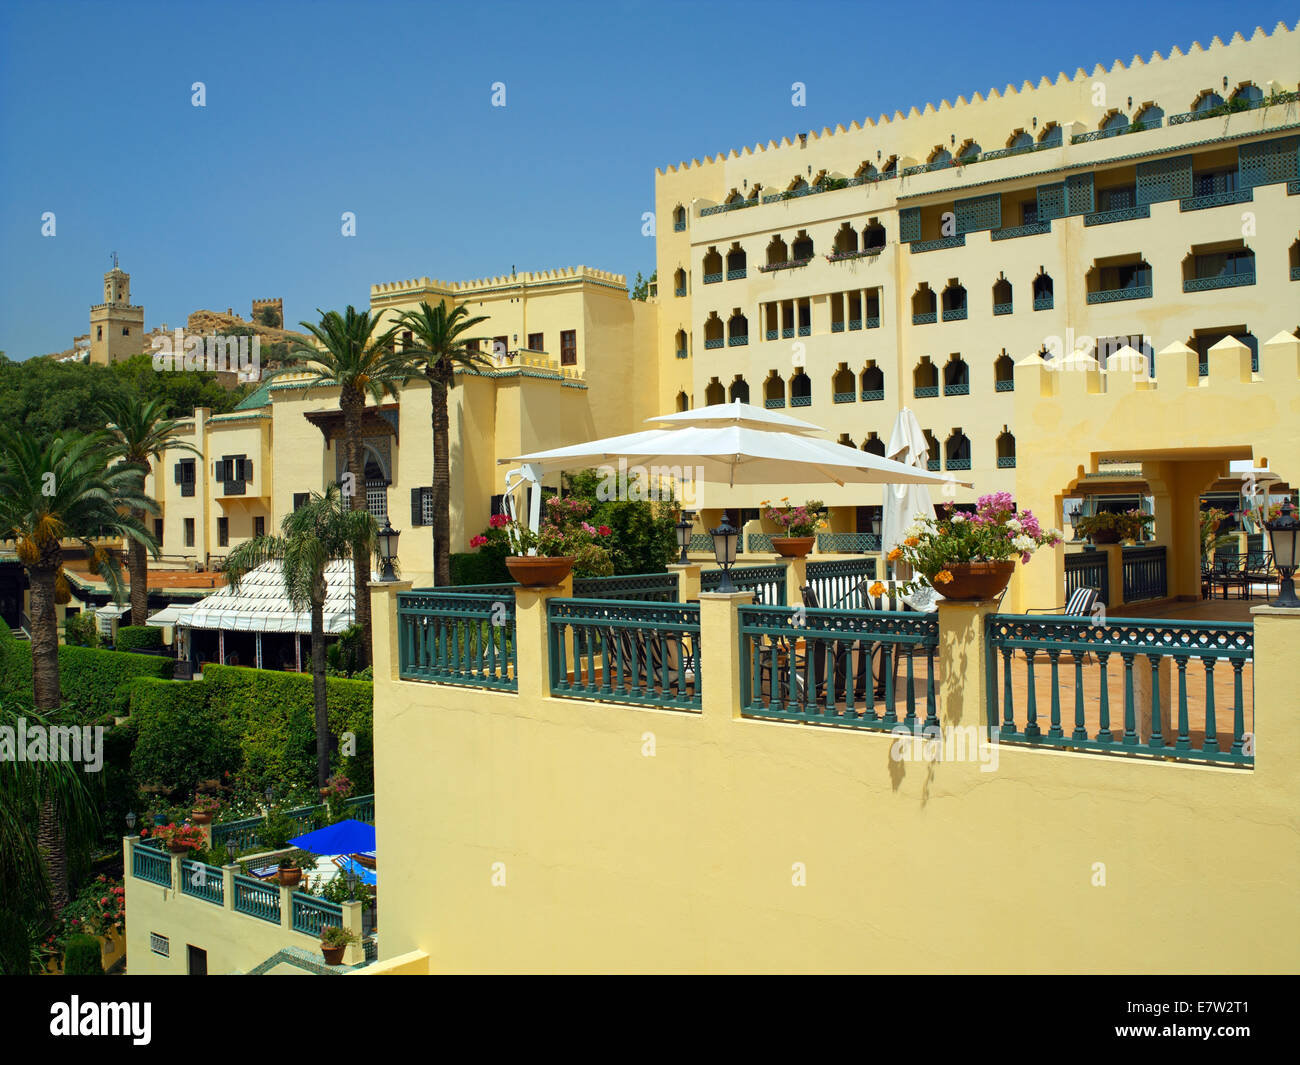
<point>1144,573</point>
<point>154,866</point>
<point>766,582</point>
<point>311,915</point>
<point>256,898</point>
<point>457,638</point>
<point>202,882</point>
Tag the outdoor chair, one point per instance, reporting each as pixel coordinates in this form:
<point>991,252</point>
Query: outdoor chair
<point>1258,569</point>
<point>841,653</point>
<point>1230,572</point>
<point>1079,605</point>
<point>662,651</point>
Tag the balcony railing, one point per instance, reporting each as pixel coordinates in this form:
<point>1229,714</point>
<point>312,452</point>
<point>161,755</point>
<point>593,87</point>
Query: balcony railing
<point>1043,303</point>
<point>845,544</point>
<point>311,916</point>
<point>1206,284</point>
<point>873,321</point>
<point>679,226</point>
<point>1230,107</point>
<point>925,318</point>
<point>1087,569</point>
<point>774,403</point>
<point>1117,295</point>
<point>681,353</point>
<point>256,899</point>
<point>1001,308</point>
<point>1031,229</point>
<point>1105,134</point>
<point>766,582</point>
<point>713,279</point>
<point>871,394</point>
<point>954,314</point>
<point>680,291</point>
<point>1144,573</point>
<point>458,638</point>
<point>805,330</point>
<point>1007,385</point>
<point>957,388</point>
<point>1137,648</point>
<point>855,324</point>
<point>841,256</point>
<point>925,391</point>
<point>1295,273</point>
<point>1006,462</point>
<point>723,208</point>
<point>845,397</point>
<point>787,332</point>
<point>789,264</point>
<point>736,275</point>
<point>716,342</point>
<point>1216,199</point>
<point>801,401</point>
<point>202,881</point>
<point>738,341</point>
<point>959,464</point>
<point>837,327</point>
<point>932,465</point>
<point>1122,214</point>
<point>918,246</point>
<point>155,866</point>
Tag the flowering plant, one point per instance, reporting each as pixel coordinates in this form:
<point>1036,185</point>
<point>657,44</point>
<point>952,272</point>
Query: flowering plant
<point>796,521</point>
<point>173,835</point>
<point>994,533</point>
<point>1129,524</point>
<point>563,531</point>
<point>206,804</point>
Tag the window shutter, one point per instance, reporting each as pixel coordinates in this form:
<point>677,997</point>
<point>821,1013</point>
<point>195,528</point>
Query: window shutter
<point>248,470</point>
<point>216,470</point>
<point>417,506</point>
<point>909,224</point>
<point>176,471</point>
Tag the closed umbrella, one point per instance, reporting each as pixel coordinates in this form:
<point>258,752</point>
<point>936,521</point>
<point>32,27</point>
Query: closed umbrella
<point>906,501</point>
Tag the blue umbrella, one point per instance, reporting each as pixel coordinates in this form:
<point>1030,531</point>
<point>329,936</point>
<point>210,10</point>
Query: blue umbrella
<point>347,837</point>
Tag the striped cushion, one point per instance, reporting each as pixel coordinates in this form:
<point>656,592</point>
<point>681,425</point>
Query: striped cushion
<point>1081,600</point>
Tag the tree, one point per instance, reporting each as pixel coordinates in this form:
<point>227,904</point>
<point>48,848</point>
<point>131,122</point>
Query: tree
<point>641,287</point>
<point>325,529</point>
<point>440,347</point>
<point>644,538</point>
<point>269,317</point>
<point>140,433</point>
<point>361,364</point>
<point>48,494</point>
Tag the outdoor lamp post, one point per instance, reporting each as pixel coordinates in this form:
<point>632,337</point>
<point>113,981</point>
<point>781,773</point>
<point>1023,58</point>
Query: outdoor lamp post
<point>386,545</point>
<point>1282,532</point>
<point>130,820</point>
<point>724,550</point>
<point>875,523</point>
<point>683,536</point>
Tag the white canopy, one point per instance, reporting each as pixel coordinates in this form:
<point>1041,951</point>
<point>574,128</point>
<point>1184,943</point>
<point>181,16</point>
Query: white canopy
<point>261,604</point>
<point>904,502</point>
<point>737,413</point>
<point>175,614</point>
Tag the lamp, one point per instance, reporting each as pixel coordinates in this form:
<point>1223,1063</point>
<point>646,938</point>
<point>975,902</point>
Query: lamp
<point>875,522</point>
<point>386,545</point>
<point>724,550</point>
<point>1282,532</point>
<point>130,820</point>
<point>683,536</point>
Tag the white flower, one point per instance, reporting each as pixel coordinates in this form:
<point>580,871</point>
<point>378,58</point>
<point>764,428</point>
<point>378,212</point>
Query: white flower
<point>1023,543</point>
<point>957,519</point>
<point>1014,524</point>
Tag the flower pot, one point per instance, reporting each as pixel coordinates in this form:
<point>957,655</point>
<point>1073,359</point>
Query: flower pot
<point>201,817</point>
<point>539,571</point>
<point>289,877</point>
<point>333,955</point>
<point>177,848</point>
<point>1105,536</point>
<point>976,580</point>
<point>792,546</point>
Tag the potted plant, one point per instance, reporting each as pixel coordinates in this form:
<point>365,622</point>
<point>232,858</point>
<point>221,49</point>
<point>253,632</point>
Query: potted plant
<point>334,941</point>
<point>1103,528</point>
<point>564,542</point>
<point>972,556</point>
<point>799,524</point>
<point>179,838</point>
<point>1134,526</point>
<point>289,872</point>
<point>204,809</point>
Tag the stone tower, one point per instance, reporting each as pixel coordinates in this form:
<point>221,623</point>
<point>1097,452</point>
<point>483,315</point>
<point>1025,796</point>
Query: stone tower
<point>276,305</point>
<point>116,327</point>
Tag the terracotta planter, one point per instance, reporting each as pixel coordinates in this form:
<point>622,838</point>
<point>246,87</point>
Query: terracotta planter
<point>1105,536</point>
<point>539,571</point>
<point>289,877</point>
<point>976,580</point>
<point>333,955</point>
<point>200,817</point>
<point>792,546</point>
<point>178,848</point>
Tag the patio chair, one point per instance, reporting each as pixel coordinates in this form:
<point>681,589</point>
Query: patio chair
<point>1079,605</point>
<point>841,651</point>
<point>662,650</point>
<point>1230,572</point>
<point>625,644</point>
<point>1258,569</point>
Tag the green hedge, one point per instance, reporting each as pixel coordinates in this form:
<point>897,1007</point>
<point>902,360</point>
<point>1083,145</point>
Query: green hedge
<point>478,567</point>
<point>81,957</point>
<point>139,638</point>
<point>94,682</point>
<point>257,723</point>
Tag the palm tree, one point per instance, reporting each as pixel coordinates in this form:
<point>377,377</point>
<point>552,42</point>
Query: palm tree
<point>361,364</point>
<point>325,529</point>
<point>48,494</point>
<point>440,347</point>
<point>141,434</point>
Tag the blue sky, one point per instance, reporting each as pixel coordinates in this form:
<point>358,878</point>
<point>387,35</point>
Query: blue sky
<point>384,109</point>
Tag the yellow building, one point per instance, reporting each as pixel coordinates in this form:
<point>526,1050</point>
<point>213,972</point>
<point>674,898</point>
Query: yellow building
<point>116,327</point>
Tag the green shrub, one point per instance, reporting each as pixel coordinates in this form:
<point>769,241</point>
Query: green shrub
<point>479,567</point>
<point>139,638</point>
<point>81,630</point>
<point>180,736</point>
<point>81,957</point>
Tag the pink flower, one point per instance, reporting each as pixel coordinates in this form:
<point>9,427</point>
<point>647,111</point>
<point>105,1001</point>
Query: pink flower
<point>478,541</point>
<point>498,521</point>
<point>605,530</point>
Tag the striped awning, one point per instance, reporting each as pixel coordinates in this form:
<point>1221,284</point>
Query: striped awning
<point>261,604</point>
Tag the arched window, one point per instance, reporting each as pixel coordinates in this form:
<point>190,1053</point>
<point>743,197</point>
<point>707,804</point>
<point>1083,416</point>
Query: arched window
<point>969,152</point>
<point>956,451</point>
<point>774,391</point>
<point>939,158</point>
<point>737,329</point>
<point>680,344</point>
<point>735,197</point>
<point>777,252</point>
<point>715,393</point>
<point>1002,296</point>
<point>1051,136</point>
<point>1248,93</point>
<point>842,385</point>
<point>802,247</point>
<point>712,266</point>
<point>737,263</point>
<point>1207,101</point>
<point>1115,122</point>
<point>679,218</point>
<point>740,390</point>
<point>1043,295</point>
<point>679,282</point>
<point>683,402</point>
<point>925,379</point>
<point>713,331</point>
<point>890,169</point>
<point>800,390</point>
<point>873,445</point>
<point>846,239</point>
<point>1006,450</point>
<point>956,377</point>
<point>1020,141</point>
<point>1149,117</point>
<point>873,383</point>
<point>932,451</point>
<point>1004,373</point>
<point>873,236</point>
<point>954,302</point>
<point>866,172</point>
<point>924,305</point>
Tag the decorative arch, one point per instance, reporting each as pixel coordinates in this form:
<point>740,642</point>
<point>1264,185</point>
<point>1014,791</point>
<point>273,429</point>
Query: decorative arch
<point>800,389</point>
<point>923,302</point>
<point>714,393</point>
<point>1206,100</point>
<point>739,391</point>
<point>1020,141</point>
<point>802,247</point>
<point>1006,445</point>
<point>842,385</point>
<point>873,445</point>
<point>939,158</point>
<point>774,390</point>
<point>846,239</point>
<point>683,401</point>
<point>737,329</point>
<point>1002,296</point>
<point>925,379</point>
<point>873,235</point>
<point>1052,136</point>
<point>956,376</point>
<point>713,331</point>
<point>873,382</point>
<point>956,451</point>
<point>777,251</point>
<point>737,262</point>
<point>969,151</point>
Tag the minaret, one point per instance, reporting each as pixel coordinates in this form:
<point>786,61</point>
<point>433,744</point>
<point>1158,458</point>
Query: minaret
<point>116,327</point>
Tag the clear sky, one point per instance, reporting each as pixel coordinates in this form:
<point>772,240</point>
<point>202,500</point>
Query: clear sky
<point>384,108</point>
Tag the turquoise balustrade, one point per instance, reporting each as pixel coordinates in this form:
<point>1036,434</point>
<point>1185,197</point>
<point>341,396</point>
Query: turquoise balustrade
<point>256,898</point>
<point>202,882</point>
<point>766,582</point>
<point>154,866</point>
<point>457,638</point>
<point>311,915</point>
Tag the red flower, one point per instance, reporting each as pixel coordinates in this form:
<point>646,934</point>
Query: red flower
<point>478,541</point>
<point>498,521</point>
<point>605,530</point>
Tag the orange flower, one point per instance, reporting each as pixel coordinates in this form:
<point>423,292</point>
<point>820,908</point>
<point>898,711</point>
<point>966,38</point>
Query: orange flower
<point>911,541</point>
<point>895,555</point>
<point>876,589</point>
<point>942,577</point>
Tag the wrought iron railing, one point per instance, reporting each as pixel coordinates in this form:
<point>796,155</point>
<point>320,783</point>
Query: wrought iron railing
<point>244,834</point>
<point>1231,107</point>
<point>832,667</point>
<point>713,279</point>
<point>151,865</point>
<point>871,394</point>
<point>715,342</point>
<point>954,314</point>
<point>873,321</point>
<point>849,544</point>
<point>957,388</point>
<point>256,899</point>
<point>738,340</point>
<point>1116,295</point>
<point>1206,284</point>
<point>1002,308</point>
<point>838,583</point>
<point>758,542</point>
<point>1136,650</point>
<point>1216,199</point>
<point>457,638</point>
<point>766,582</point>
<point>202,882</point>
<point>1043,303</point>
<point>641,587</point>
<point>311,915</point>
<point>1122,214</point>
<point>627,652</point>
<point>1006,385</point>
<point>925,318</point>
<point>1087,569</point>
<point>844,397</point>
<point>1144,573</point>
<point>958,241</point>
<point>1030,229</point>
<point>925,391</point>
